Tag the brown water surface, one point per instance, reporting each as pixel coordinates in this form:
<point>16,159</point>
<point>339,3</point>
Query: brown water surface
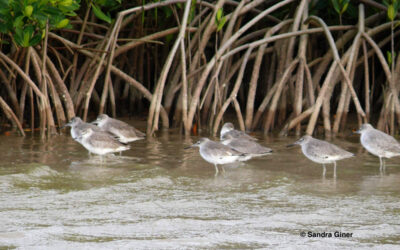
<point>158,195</point>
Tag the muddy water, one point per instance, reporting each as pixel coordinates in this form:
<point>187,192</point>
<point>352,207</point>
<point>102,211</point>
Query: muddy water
<point>158,195</point>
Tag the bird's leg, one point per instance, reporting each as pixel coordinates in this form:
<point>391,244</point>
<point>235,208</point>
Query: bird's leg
<point>334,169</point>
<point>381,164</point>
<point>216,169</point>
<point>384,165</point>
<point>324,171</point>
<point>223,169</point>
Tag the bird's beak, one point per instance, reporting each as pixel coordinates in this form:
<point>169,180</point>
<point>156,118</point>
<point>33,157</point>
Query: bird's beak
<point>65,125</point>
<point>357,131</point>
<point>191,146</point>
<point>293,144</point>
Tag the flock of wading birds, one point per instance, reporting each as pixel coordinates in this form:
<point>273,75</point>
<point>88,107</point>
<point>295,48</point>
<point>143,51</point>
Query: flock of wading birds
<point>107,135</point>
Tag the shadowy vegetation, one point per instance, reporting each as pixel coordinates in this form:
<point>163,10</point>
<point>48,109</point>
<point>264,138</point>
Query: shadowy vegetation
<point>276,64</point>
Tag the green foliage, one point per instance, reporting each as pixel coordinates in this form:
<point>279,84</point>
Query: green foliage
<point>393,7</point>
<point>220,19</point>
<point>100,14</point>
<point>327,11</point>
<point>25,20</point>
<point>192,12</point>
<point>390,57</point>
<point>143,3</point>
<point>340,6</point>
<point>109,5</point>
<point>165,12</point>
<point>169,38</point>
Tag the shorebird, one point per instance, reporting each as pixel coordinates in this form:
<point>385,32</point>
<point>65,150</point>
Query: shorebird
<point>378,143</point>
<point>249,147</point>
<point>217,153</point>
<point>228,129</point>
<point>77,126</point>
<point>125,132</point>
<point>322,152</point>
<point>100,143</point>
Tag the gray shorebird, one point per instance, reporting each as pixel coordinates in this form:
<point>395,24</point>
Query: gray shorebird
<point>217,153</point>
<point>378,143</point>
<point>100,143</point>
<point>229,130</point>
<point>125,132</point>
<point>322,152</point>
<point>77,126</point>
<point>249,147</point>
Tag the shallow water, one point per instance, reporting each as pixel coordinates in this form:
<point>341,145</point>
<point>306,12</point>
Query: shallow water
<point>158,195</point>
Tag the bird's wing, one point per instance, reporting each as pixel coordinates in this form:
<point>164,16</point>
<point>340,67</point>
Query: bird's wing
<point>383,141</point>
<point>218,149</point>
<point>247,146</point>
<point>238,134</point>
<point>104,140</point>
<point>325,149</point>
<point>120,127</point>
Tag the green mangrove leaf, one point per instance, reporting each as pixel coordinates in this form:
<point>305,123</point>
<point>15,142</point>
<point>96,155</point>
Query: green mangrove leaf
<point>28,31</point>
<point>4,3</point>
<point>65,3</point>
<point>386,3</point>
<point>169,37</point>
<point>167,11</point>
<point>51,11</point>
<point>396,4</point>
<point>219,14</point>
<point>389,57</point>
<point>63,23</point>
<point>35,40</point>
<point>345,5</point>
<point>336,5</point>
<point>18,22</point>
<point>69,10</point>
<point>391,12</point>
<point>100,14</point>
<point>40,18</point>
<point>221,23</point>
<point>26,39</point>
<point>3,28</point>
<point>18,36</point>
<point>28,10</point>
